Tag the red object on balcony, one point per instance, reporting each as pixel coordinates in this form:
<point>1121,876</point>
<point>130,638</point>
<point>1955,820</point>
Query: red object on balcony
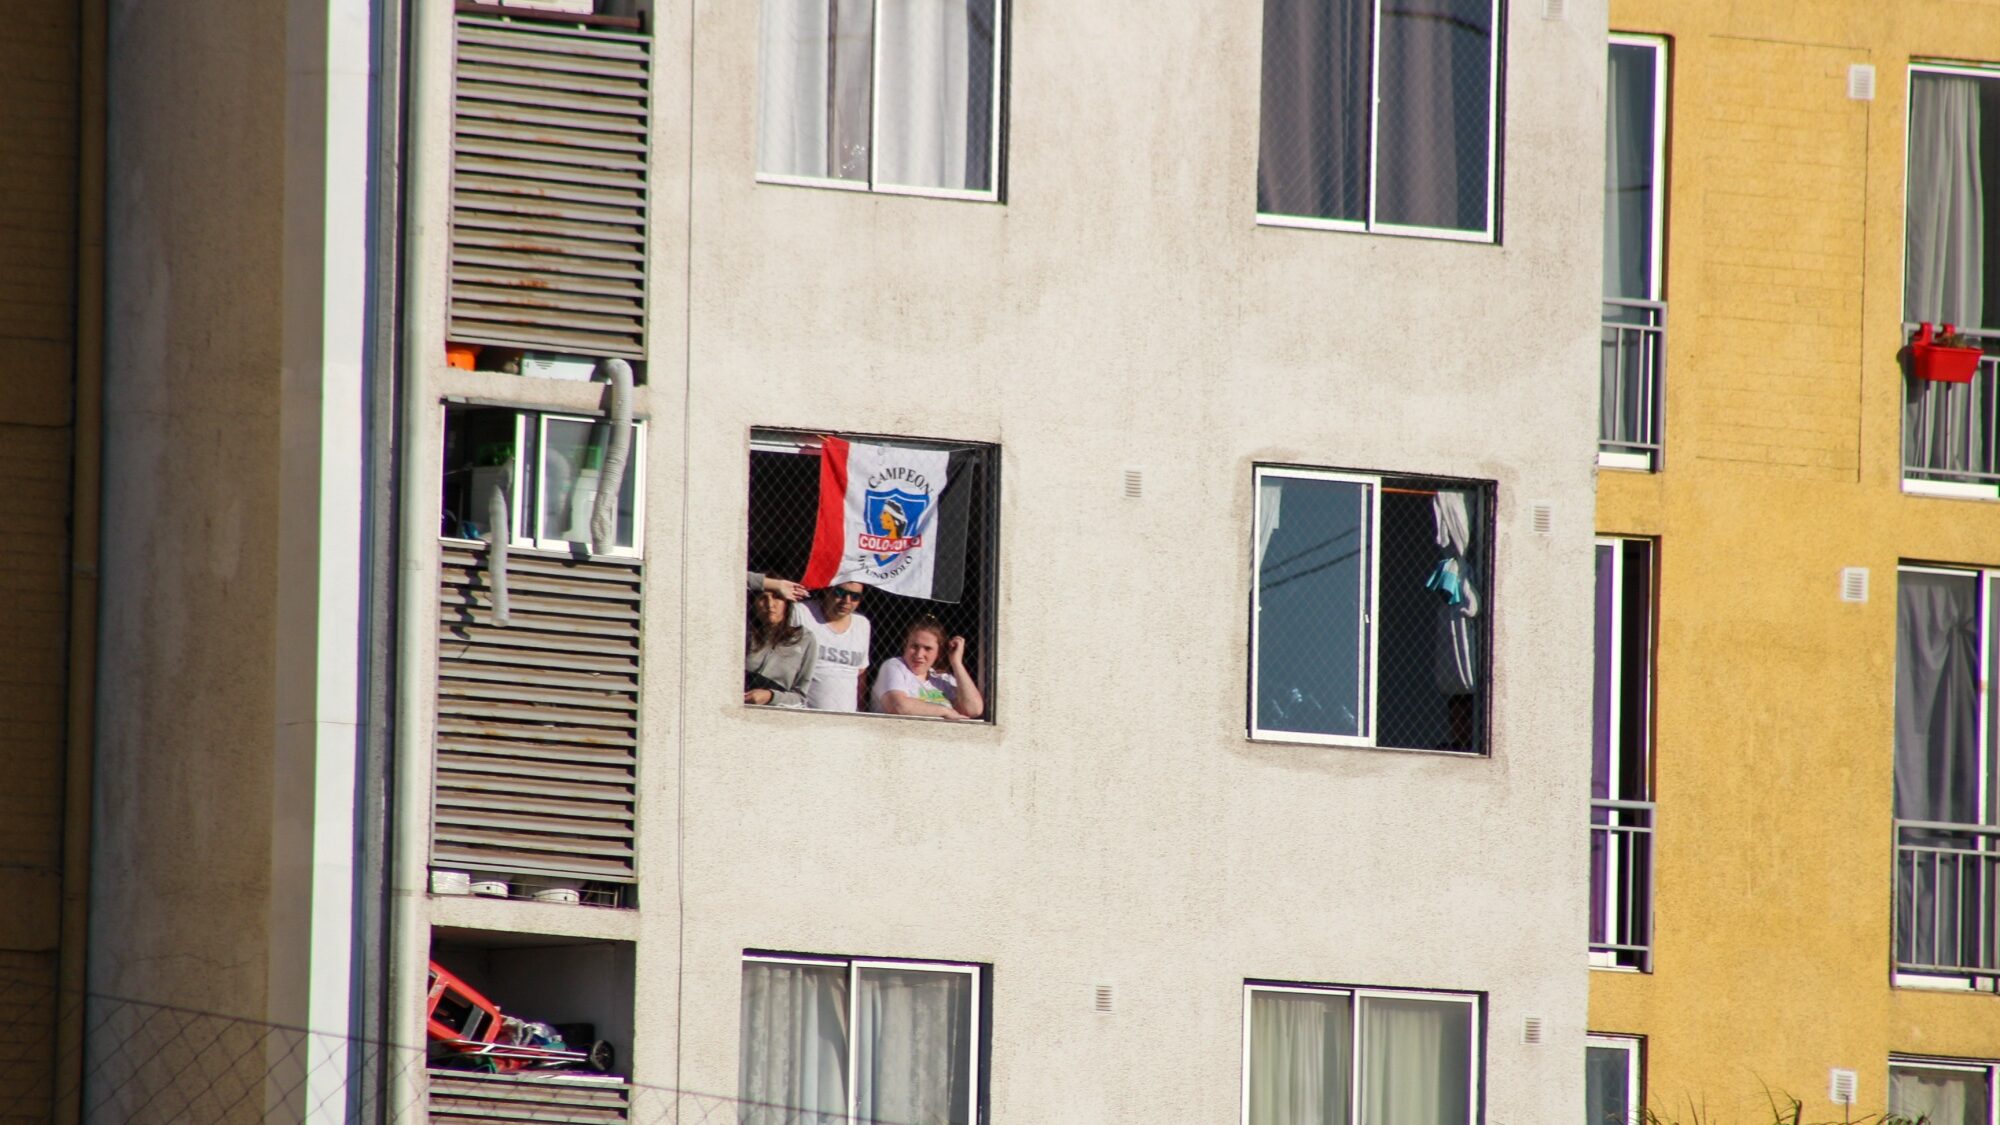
<point>1939,363</point>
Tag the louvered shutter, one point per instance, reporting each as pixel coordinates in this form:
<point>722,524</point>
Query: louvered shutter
<point>538,722</point>
<point>548,187</point>
<point>490,1099</point>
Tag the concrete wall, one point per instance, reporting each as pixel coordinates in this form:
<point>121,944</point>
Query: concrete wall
<point>1784,284</point>
<point>40,94</point>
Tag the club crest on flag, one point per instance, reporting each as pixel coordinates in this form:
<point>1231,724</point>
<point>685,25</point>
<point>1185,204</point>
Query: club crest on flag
<point>892,516</point>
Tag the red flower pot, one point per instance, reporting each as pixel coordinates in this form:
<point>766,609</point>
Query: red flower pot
<point>1936,362</point>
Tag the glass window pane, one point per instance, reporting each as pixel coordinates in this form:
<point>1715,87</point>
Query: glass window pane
<point>1435,104</point>
<point>1948,1097</point>
<point>1301,1052</point>
<point>478,462</point>
<point>1629,186</point>
<point>1313,571</point>
<point>571,463</point>
<point>935,96</point>
<point>1416,1061</point>
<point>792,1067</point>
<point>1937,693</point>
<point>1607,1086</point>
<point>1313,130</point>
<point>814,72</point>
<point>913,1039</point>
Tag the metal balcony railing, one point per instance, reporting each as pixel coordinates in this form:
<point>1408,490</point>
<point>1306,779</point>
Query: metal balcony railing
<point>1951,431</point>
<point>1621,884</point>
<point>1631,408</point>
<point>1947,876</point>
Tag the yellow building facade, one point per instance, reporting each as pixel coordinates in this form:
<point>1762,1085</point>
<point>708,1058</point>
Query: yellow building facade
<point>1783,520</point>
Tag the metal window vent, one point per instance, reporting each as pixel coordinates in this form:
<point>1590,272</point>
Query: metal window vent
<point>1135,483</point>
<point>1531,1030</point>
<point>1542,516</point>
<point>1555,9</point>
<point>550,133</point>
<point>1842,1086</point>
<point>538,722</point>
<point>465,1096</point>
<point>1854,584</point>
<point>1861,82</point>
<point>1100,998</point>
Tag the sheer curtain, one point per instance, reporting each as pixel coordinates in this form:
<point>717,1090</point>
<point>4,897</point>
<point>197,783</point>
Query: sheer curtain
<point>1937,755</point>
<point>1943,280</point>
<point>1628,173</point>
<point>1301,1048</point>
<point>1416,1062</point>
<point>814,88</point>
<point>1948,1097</point>
<point>793,1064</point>
<point>1432,145</point>
<point>1607,1086</point>
<point>912,1042</point>
<point>935,94</point>
<point>1312,156</point>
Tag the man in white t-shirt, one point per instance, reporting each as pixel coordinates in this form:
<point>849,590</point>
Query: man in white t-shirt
<point>842,637</point>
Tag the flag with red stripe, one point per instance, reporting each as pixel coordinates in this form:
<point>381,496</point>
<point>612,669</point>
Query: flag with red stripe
<point>892,517</point>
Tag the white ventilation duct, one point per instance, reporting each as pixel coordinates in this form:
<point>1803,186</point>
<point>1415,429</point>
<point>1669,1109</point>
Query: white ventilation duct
<point>611,478</point>
<point>498,527</point>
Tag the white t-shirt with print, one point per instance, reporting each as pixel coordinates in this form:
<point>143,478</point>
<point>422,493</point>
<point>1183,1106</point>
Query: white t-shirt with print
<point>840,661</point>
<point>894,675</point>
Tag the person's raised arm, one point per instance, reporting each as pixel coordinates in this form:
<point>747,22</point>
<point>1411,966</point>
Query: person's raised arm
<point>970,703</point>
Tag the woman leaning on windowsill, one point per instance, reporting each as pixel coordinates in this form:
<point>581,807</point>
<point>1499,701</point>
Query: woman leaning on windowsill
<point>911,684</point>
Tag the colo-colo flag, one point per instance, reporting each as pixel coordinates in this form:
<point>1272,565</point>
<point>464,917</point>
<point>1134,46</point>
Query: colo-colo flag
<point>892,517</point>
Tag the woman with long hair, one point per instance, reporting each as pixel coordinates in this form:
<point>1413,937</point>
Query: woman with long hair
<point>912,684</point>
<point>778,656</point>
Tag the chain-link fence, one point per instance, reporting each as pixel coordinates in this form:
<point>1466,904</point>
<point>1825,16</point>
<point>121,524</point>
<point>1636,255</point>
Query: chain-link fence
<point>156,1064</point>
<point>784,514</point>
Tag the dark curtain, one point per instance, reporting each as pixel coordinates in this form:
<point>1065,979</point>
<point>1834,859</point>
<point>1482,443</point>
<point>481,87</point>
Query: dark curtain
<point>1313,138</point>
<point>1435,88</point>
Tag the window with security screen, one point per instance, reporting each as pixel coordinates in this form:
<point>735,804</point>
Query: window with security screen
<point>871,575</point>
<point>1370,609</point>
<point>1380,116</point>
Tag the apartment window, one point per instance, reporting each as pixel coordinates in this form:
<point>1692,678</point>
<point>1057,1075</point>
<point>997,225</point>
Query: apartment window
<point>1370,609</point>
<point>1947,832</point>
<point>1633,345</point>
<point>839,1040</point>
<point>1621,795</point>
<point>547,470</point>
<point>1361,1055</point>
<point>1611,1080</point>
<point>1380,116</point>
<point>1943,1091</point>
<point>892,536</point>
<point>1951,275</point>
<point>883,95</point>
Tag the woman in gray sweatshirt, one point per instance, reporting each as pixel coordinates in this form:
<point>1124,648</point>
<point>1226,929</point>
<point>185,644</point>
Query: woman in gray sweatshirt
<point>778,655</point>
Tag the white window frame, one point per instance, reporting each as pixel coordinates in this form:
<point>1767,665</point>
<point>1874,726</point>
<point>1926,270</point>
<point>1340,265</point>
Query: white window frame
<point>875,184</point>
<point>1475,1049</point>
<point>1961,1066</point>
<point>1657,234</point>
<point>1612,886</point>
<point>524,513</point>
<point>854,965</point>
<point>1634,1049</point>
<point>1371,225</point>
<point>1367,646</point>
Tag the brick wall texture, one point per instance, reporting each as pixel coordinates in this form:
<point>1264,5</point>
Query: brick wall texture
<point>38,194</point>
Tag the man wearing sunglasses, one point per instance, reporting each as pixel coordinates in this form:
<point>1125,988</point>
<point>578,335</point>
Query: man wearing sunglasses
<point>842,636</point>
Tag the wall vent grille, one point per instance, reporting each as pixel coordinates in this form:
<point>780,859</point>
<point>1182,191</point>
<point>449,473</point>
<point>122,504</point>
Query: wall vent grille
<point>1531,1030</point>
<point>550,135</point>
<point>538,722</point>
<point>1861,82</point>
<point>1135,483</point>
<point>460,1098</point>
<point>1555,9</point>
<point>1101,999</point>
<point>1842,1086</point>
<point>1854,584</point>
<point>1542,516</point>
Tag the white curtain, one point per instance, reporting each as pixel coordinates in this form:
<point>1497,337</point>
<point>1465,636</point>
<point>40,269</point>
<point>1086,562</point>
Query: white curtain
<point>1455,657</point>
<point>912,1040</point>
<point>792,1068</point>
<point>934,94</point>
<point>1270,503</point>
<point>1628,173</point>
<point>1300,1052</point>
<point>814,88</point>
<point>1416,1062</point>
<point>1948,1097</point>
<point>1943,279</point>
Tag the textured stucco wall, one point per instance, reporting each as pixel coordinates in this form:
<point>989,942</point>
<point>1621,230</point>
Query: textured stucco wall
<point>1784,284</point>
<point>183,802</point>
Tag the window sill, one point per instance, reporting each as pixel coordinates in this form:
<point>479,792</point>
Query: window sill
<point>1626,462</point>
<point>1305,742</point>
<point>871,716</point>
<point>1939,982</point>
<point>1438,234</point>
<point>861,188</point>
<point>1950,489</point>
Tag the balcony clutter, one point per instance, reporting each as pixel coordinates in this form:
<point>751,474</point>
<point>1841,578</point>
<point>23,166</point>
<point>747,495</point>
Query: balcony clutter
<point>1943,357</point>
